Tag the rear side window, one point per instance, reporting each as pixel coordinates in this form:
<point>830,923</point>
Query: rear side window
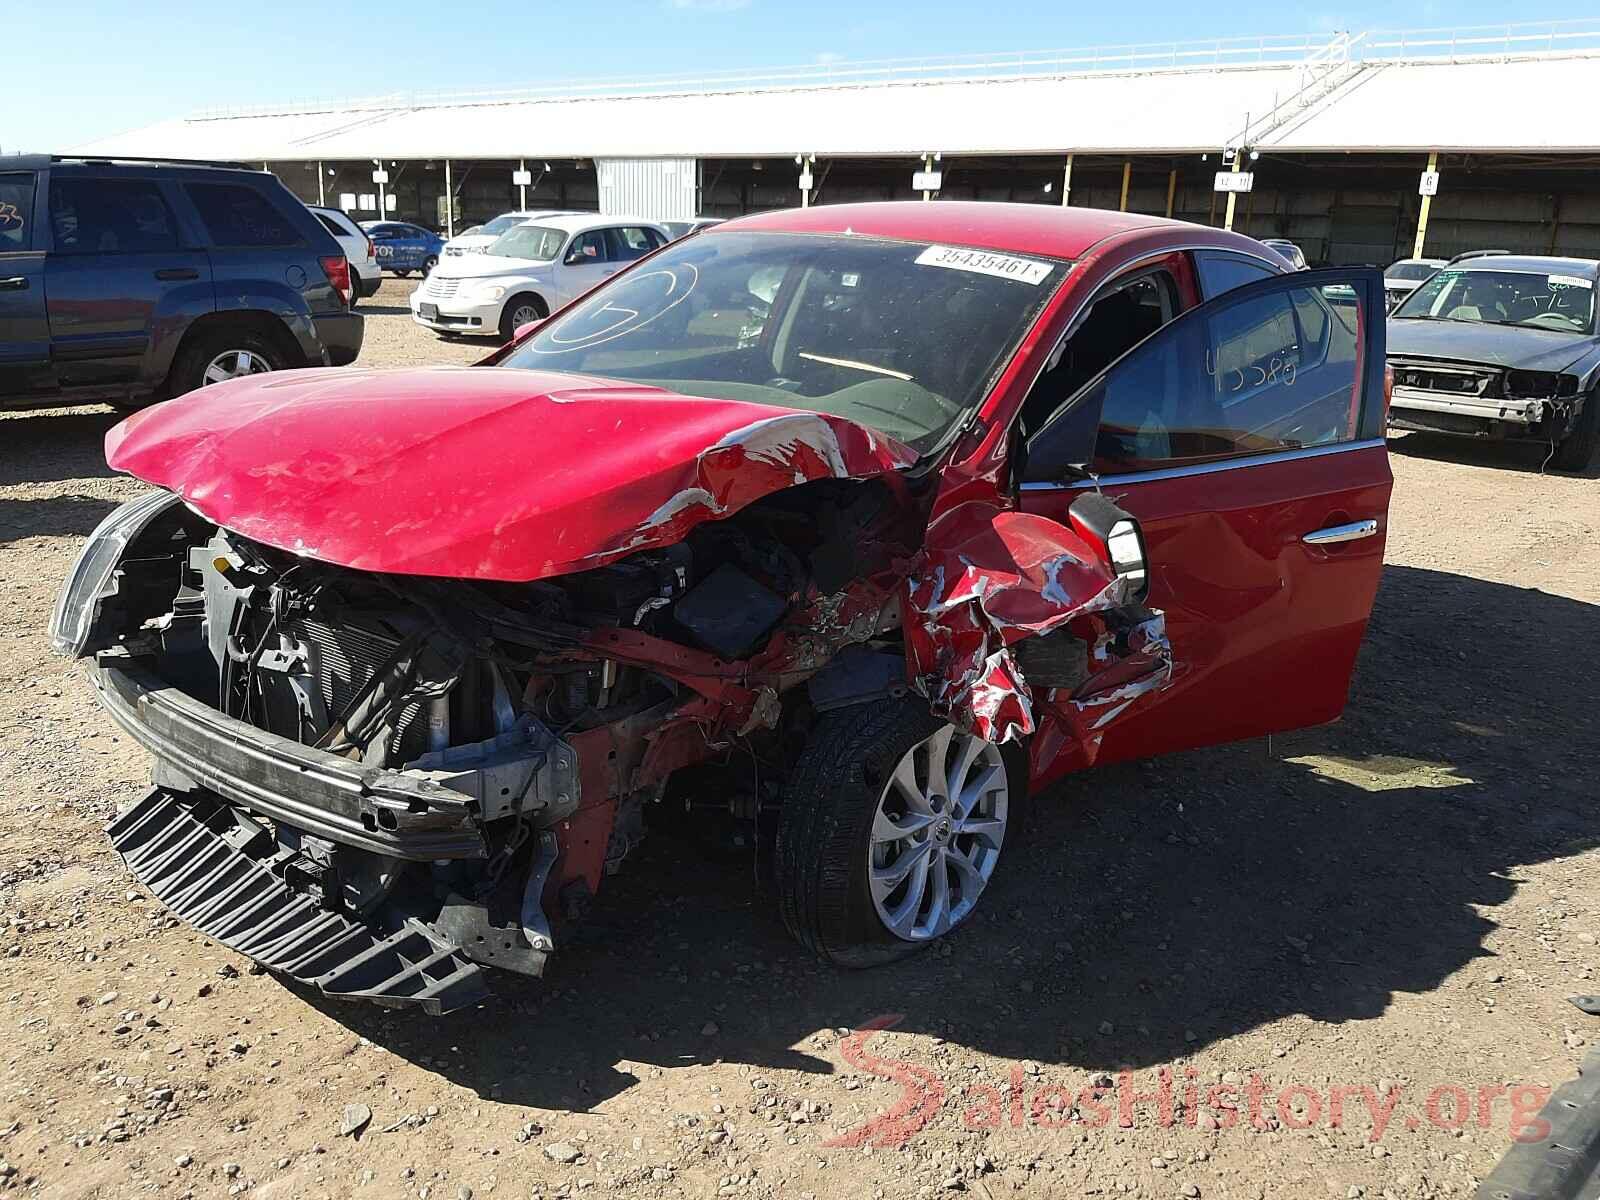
<point>334,227</point>
<point>1223,272</point>
<point>630,242</point>
<point>235,215</point>
<point>110,216</point>
<point>16,212</point>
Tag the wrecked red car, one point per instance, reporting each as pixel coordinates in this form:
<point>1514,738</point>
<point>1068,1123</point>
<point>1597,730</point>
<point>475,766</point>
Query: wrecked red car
<point>822,534</point>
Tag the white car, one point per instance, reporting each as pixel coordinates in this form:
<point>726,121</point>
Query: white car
<point>357,247</point>
<point>1402,278</point>
<point>478,239</point>
<point>530,271</point>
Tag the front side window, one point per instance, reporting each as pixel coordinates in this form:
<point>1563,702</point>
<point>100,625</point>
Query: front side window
<point>109,216</point>
<point>236,215</point>
<point>1278,369</point>
<point>532,242</point>
<point>588,248</point>
<point>1555,300</point>
<point>900,336</point>
<point>16,212</point>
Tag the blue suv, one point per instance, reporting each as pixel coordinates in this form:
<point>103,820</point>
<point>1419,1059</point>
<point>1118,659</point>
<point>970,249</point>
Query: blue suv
<point>127,281</point>
<point>402,247</point>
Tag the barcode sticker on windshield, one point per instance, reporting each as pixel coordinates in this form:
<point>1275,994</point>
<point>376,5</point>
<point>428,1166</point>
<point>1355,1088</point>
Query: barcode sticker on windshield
<point>982,262</point>
<point>1577,281</point>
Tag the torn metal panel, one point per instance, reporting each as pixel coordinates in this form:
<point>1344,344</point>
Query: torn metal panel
<point>990,578</point>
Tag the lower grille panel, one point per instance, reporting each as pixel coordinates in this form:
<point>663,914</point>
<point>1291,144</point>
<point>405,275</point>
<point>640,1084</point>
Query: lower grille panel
<point>192,852</point>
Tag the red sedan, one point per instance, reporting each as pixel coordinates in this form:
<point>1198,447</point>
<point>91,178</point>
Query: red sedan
<point>824,534</point>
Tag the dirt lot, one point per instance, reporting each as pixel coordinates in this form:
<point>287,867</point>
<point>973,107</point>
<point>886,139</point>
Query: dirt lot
<point>1402,901</point>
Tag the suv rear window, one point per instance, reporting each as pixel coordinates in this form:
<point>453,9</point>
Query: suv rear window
<point>236,215</point>
<point>16,211</point>
<point>333,226</point>
<point>110,216</point>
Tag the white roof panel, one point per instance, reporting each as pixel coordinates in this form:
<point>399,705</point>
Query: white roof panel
<point>1536,104</point>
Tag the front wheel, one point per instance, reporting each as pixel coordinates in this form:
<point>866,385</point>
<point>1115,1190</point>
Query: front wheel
<point>522,309</point>
<point>893,824</point>
<point>429,263</point>
<point>1576,450</point>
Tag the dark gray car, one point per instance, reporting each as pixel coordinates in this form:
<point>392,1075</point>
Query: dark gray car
<point>129,281</point>
<point>1502,347</point>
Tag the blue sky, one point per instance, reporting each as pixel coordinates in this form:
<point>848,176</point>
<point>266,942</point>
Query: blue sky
<point>79,71</point>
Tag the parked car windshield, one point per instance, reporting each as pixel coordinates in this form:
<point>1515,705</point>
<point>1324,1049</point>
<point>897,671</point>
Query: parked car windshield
<point>900,336</point>
<point>499,224</point>
<point>1405,270</point>
<point>529,241</point>
<point>1556,301</point>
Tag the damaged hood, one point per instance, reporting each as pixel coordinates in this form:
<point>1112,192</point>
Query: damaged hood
<point>474,472</point>
<point>1518,347</point>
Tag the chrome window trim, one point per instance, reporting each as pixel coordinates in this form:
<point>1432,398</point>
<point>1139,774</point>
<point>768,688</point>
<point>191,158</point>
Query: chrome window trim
<point>1206,468</point>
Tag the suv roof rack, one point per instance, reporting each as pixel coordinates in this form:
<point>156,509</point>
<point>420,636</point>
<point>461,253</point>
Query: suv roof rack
<point>137,158</point>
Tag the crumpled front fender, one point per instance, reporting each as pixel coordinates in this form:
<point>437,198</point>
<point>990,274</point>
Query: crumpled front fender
<point>989,578</point>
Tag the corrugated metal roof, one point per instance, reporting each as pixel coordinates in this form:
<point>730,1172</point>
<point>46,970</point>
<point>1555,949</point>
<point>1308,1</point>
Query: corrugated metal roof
<point>1342,96</point>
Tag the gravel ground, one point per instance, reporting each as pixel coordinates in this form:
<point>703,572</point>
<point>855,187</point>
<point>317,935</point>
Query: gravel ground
<point>1401,901</point>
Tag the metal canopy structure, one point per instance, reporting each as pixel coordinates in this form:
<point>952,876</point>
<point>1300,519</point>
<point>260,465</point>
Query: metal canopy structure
<point>1506,88</point>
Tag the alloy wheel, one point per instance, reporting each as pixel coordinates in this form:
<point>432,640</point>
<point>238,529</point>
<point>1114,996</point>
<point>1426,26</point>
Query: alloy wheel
<point>234,364</point>
<point>937,833</point>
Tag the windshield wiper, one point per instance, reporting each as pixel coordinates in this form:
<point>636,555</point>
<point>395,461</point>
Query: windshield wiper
<point>853,365</point>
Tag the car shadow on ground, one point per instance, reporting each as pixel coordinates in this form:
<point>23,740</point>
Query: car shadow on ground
<point>53,444</point>
<point>1531,458</point>
<point>1174,902</point>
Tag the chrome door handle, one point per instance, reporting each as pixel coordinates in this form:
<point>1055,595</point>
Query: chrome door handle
<point>1334,534</point>
<point>16,283</point>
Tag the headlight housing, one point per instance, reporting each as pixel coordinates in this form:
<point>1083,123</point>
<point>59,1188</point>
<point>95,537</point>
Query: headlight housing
<point>90,581</point>
<point>486,291</point>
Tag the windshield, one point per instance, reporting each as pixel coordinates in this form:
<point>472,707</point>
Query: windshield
<point>1555,301</point>
<point>1411,271</point>
<point>500,224</point>
<point>901,336</point>
<point>533,242</point>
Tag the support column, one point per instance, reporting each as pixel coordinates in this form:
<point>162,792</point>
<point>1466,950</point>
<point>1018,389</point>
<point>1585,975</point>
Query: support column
<point>1127,177</point>
<point>1172,188</point>
<point>1066,184</point>
<point>322,177</point>
<point>1233,197</point>
<point>1427,203</point>
<point>383,207</point>
<point>927,165</point>
<point>449,202</point>
<point>522,189</point>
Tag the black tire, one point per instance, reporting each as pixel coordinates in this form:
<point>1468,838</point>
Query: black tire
<point>402,274</point>
<point>1576,451</point>
<point>829,803</point>
<point>189,369</point>
<point>508,315</point>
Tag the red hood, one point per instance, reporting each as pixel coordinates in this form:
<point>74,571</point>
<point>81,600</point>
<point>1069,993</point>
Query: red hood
<point>473,472</point>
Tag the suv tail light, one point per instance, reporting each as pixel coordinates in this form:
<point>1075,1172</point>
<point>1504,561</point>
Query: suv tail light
<point>1388,397</point>
<point>372,251</point>
<point>337,268</point>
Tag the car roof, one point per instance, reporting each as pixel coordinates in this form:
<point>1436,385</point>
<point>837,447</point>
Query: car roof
<point>1542,264</point>
<point>1419,262</point>
<point>580,222</point>
<point>1019,228</point>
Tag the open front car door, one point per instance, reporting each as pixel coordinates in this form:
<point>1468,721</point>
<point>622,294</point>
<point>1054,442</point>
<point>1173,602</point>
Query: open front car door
<point>1246,439</point>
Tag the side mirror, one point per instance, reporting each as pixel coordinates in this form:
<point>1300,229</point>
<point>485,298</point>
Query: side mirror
<point>1114,532</point>
<point>523,331</point>
<point>573,258</point>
